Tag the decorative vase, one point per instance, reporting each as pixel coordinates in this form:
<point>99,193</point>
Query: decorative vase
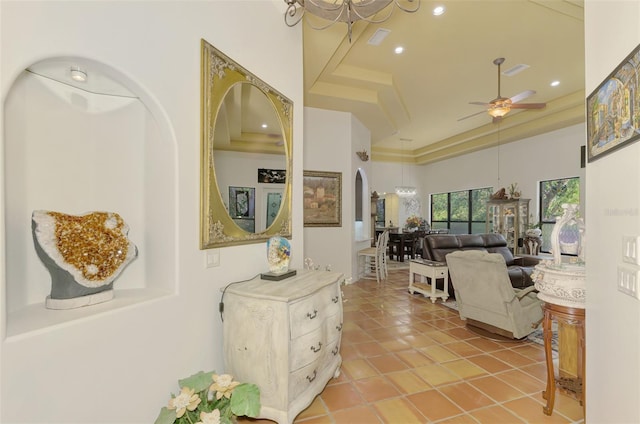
<point>278,254</point>
<point>533,232</point>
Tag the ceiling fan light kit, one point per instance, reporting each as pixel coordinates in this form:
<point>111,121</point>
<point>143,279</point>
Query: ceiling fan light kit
<point>347,11</point>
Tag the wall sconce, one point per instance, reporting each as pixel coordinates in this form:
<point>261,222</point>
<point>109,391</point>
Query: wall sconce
<point>363,155</point>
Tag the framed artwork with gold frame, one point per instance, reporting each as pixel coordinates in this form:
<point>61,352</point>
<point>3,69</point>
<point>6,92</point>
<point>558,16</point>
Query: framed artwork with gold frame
<point>322,199</point>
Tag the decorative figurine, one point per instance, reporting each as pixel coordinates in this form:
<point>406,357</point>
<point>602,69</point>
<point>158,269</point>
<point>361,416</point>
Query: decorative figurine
<point>83,254</point>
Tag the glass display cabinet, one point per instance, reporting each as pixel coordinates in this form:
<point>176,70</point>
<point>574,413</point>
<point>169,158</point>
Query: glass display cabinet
<point>509,217</point>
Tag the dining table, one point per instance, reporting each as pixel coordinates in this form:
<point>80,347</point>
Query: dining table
<point>400,239</point>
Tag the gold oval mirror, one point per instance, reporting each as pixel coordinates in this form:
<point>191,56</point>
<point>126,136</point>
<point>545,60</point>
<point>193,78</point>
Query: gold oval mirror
<point>246,155</point>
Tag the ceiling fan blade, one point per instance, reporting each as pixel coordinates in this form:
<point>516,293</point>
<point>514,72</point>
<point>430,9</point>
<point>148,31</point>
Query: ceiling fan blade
<point>472,115</point>
<point>528,105</point>
<point>521,96</point>
<point>480,103</point>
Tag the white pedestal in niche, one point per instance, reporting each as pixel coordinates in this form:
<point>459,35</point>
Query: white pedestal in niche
<point>78,302</point>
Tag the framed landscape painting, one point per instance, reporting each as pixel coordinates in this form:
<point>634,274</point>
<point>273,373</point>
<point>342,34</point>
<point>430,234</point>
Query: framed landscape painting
<point>322,199</point>
<point>613,109</point>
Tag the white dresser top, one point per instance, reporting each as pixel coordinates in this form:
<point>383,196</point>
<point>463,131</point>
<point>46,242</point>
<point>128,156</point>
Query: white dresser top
<point>302,284</point>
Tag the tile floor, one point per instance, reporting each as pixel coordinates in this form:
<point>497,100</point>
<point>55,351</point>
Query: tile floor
<point>406,360</point>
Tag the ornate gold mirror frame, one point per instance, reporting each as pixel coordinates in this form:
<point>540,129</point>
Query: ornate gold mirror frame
<point>219,74</point>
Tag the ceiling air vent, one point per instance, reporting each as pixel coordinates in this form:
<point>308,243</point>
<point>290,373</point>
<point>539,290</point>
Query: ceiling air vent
<point>515,70</point>
<point>378,36</point>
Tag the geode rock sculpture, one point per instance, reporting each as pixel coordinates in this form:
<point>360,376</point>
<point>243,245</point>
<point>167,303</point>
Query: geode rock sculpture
<point>83,254</point>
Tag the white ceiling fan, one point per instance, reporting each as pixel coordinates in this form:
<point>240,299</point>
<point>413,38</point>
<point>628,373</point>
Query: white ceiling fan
<point>500,106</point>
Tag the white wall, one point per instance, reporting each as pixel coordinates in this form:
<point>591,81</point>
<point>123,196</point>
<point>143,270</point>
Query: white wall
<point>613,201</point>
<point>135,355</point>
<point>526,162</point>
<point>331,140</point>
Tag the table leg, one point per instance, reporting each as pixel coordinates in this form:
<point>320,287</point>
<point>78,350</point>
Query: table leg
<point>582,343</point>
<point>432,280</point>
<point>411,277</point>
<point>550,393</point>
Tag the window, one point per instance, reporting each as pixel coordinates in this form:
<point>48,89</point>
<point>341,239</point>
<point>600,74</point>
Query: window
<point>462,212</point>
<point>380,213</point>
<point>553,193</point>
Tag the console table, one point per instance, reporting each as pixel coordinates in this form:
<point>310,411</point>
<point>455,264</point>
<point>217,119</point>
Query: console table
<point>432,270</point>
<point>284,336</point>
<point>575,385</point>
<point>562,289</point>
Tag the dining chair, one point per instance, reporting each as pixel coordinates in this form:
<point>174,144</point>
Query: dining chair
<point>372,261</point>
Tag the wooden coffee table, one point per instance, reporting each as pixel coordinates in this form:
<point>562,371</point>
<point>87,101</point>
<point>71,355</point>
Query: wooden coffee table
<point>431,271</point>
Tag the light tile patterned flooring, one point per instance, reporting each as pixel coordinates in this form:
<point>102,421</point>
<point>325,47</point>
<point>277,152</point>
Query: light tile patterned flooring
<point>407,360</point>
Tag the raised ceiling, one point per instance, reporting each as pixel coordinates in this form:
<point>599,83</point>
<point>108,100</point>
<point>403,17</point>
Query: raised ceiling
<point>421,94</point>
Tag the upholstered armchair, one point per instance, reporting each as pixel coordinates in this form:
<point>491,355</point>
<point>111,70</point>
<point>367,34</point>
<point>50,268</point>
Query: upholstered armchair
<point>486,298</point>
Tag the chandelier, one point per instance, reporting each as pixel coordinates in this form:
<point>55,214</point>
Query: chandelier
<point>348,11</point>
<point>403,190</point>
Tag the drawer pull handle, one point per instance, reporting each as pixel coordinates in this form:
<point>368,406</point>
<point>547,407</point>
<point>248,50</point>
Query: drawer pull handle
<point>318,349</point>
<point>311,378</point>
<point>339,327</point>
<point>335,299</point>
<point>335,351</point>
<point>312,315</point>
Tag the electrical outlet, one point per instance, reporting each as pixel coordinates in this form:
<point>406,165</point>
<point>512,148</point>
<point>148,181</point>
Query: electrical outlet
<point>212,258</point>
<point>630,249</point>
<point>628,279</point>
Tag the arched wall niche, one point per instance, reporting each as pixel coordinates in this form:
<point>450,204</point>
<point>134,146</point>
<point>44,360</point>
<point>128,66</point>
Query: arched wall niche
<point>73,147</point>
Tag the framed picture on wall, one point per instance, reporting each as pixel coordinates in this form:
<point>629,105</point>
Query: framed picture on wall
<point>273,200</point>
<point>613,109</point>
<point>242,202</point>
<point>322,199</point>
<point>272,176</point>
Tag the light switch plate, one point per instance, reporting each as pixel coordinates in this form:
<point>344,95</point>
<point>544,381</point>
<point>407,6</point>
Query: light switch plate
<point>628,279</point>
<point>630,249</point>
<point>212,258</point>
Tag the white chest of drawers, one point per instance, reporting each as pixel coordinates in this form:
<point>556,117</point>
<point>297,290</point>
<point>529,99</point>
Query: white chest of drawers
<point>284,336</point>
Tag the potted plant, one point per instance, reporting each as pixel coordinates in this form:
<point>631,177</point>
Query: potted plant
<point>209,398</point>
<point>514,192</point>
<point>533,230</point>
<point>415,222</point>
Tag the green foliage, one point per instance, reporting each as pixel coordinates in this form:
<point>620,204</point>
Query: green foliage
<point>439,207</point>
<point>460,206</point>
<point>167,416</point>
<point>479,199</point>
<point>555,193</point>
<point>198,381</point>
<point>244,400</point>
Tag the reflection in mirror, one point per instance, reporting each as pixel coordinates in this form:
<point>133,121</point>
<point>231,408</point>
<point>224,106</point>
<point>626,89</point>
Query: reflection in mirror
<point>247,136</point>
<point>246,155</point>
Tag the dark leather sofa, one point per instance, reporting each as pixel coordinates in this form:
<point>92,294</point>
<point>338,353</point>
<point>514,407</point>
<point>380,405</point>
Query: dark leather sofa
<point>437,246</point>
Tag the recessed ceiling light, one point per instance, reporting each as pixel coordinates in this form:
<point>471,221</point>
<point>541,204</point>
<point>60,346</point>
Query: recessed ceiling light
<point>398,49</point>
<point>439,10</point>
<point>78,75</point>
<point>555,83</point>
<point>264,125</point>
